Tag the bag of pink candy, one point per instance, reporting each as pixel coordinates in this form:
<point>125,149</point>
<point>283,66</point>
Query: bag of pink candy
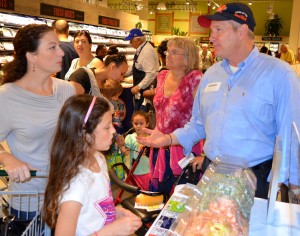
<point>221,203</point>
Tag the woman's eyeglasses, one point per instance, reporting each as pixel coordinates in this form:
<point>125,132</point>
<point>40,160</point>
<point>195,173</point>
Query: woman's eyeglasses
<point>172,53</point>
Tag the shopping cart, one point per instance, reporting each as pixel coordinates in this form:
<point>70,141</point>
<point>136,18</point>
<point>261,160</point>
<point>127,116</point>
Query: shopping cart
<point>12,224</point>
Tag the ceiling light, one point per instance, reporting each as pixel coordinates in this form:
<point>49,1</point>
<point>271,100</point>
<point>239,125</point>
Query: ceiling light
<point>249,3</point>
<point>161,6</point>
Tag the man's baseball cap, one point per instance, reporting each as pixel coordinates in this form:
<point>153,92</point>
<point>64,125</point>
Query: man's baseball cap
<point>134,33</point>
<point>238,12</point>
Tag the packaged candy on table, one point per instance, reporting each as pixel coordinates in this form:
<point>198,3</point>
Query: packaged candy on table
<point>222,202</point>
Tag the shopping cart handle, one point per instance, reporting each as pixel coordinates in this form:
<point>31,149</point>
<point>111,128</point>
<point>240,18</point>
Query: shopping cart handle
<point>33,173</point>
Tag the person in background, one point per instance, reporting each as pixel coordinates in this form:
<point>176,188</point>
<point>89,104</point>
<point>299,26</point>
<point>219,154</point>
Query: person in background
<point>206,58</point>
<point>145,65</point>
<point>296,66</point>
<point>242,103</point>
<point>264,50</point>
<point>131,148</point>
<point>112,49</point>
<point>78,196</point>
<point>61,28</point>
<point>112,89</point>
<point>172,111</point>
<point>287,54</point>
<point>101,51</point>
<point>161,48</point>
<point>83,46</point>
<point>88,81</point>
<point>30,101</point>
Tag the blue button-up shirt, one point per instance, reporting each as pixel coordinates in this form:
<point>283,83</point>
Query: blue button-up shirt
<point>241,113</point>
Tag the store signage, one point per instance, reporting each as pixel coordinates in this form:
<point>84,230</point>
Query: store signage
<point>7,4</point>
<point>270,38</point>
<point>103,20</point>
<point>50,10</point>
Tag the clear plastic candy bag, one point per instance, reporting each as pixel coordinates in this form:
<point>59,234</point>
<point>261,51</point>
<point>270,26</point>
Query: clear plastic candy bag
<point>221,203</point>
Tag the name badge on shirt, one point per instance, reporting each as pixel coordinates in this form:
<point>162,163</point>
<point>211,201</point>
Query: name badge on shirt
<point>212,87</point>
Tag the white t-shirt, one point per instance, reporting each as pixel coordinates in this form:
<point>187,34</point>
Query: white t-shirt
<point>93,191</point>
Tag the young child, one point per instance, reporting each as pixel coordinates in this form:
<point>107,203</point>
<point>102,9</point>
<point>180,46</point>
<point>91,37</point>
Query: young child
<point>78,199</point>
<point>112,89</point>
<point>132,148</point>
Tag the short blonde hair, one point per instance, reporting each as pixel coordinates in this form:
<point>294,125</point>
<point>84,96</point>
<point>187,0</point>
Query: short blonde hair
<point>111,88</point>
<point>191,51</point>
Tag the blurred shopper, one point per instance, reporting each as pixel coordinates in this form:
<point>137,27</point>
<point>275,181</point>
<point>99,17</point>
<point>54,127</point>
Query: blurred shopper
<point>88,81</point>
<point>101,51</point>
<point>61,27</point>
<point>206,58</point>
<point>83,46</point>
<point>145,66</point>
<point>161,49</point>
<point>287,54</point>
<point>30,101</point>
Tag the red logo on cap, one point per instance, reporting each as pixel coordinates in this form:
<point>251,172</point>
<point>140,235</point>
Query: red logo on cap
<point>240,16</point>
<point>222,8</point>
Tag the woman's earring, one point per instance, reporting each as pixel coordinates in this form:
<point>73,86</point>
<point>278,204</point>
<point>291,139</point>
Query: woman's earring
<point>33,69</point>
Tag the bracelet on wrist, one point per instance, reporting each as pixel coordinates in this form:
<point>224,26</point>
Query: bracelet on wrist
<point>171,141</point>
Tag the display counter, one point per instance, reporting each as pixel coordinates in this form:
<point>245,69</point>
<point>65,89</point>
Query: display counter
<point>286,218</point>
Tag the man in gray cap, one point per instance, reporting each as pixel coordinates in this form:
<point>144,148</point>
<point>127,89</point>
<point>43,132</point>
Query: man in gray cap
<point>145,66</point>
<point>242,102</point>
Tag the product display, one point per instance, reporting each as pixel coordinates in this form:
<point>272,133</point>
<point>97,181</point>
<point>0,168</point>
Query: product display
<point>221,203</point>
<point>11,23</point>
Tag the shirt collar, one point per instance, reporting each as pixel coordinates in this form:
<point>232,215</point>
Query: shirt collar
<point>251,57</point>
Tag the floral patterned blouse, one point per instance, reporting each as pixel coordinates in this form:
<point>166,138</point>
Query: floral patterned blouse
<point>171,113</point>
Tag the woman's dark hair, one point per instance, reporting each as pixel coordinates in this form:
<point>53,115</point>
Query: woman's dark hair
<point>26,40</point>
<point>84,33</point>
<point>100,47</point>
<point>118,59</point>
<point>70,148</point>
<point>162,47</point>
<point>112,49</point>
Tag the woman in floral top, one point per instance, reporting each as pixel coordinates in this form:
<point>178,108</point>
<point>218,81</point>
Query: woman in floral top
<point>173,102</point>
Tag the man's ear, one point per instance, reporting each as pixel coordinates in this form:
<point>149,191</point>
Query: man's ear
<point>243,30</point>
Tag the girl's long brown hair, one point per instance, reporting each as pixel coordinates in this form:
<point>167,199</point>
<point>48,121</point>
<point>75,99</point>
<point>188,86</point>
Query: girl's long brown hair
<point>70,148</point>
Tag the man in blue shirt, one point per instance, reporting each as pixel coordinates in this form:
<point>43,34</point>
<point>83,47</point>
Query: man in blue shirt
<point>242,103</point>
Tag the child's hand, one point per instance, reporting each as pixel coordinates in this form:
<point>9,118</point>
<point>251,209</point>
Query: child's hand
<point>121,212</point>
<point>120,140</point>
<point>125,225</point>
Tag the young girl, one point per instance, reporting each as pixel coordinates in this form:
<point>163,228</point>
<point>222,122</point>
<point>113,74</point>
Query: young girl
<point>131,148</point>
<point>78,198</point>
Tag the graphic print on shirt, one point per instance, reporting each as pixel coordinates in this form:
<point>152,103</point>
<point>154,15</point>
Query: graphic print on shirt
<point>106,208</point>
